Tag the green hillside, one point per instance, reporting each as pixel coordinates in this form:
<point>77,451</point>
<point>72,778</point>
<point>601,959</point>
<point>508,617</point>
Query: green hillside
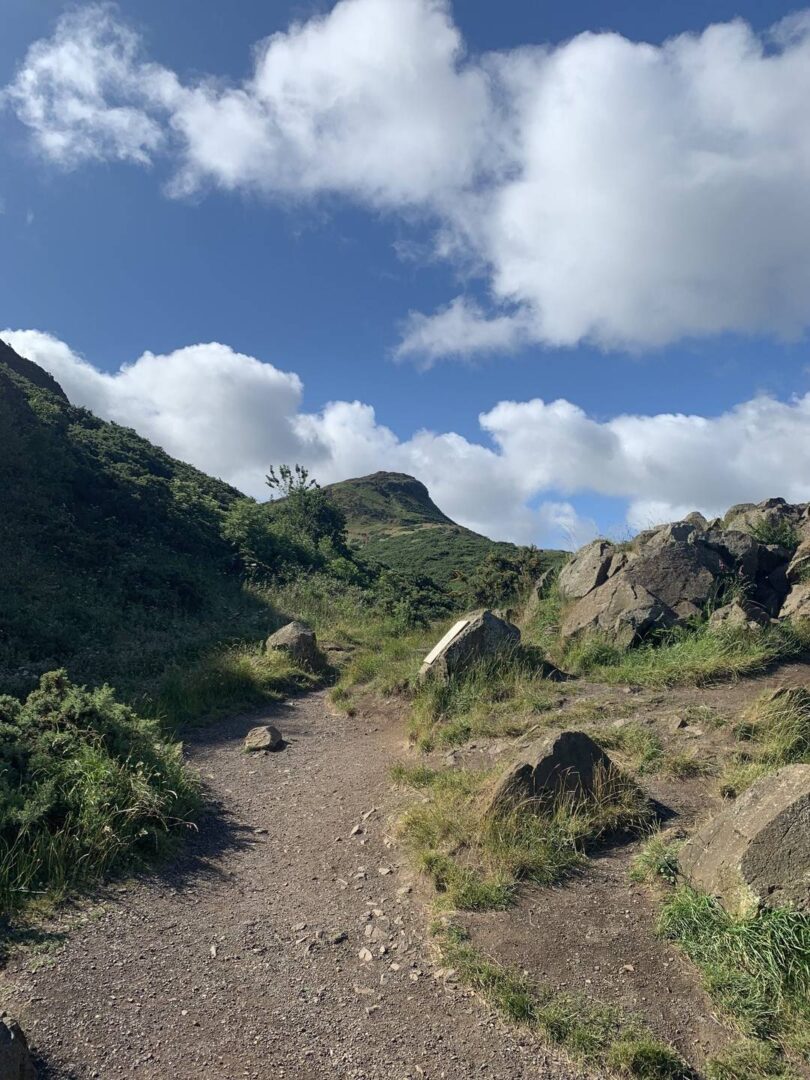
<point>112,551</point>
<point>392,519</point>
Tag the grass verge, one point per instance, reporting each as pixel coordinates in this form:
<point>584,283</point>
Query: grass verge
<point>594,1034</point>
<point>757,968</point>
<point>476,859</point>
<point>774,732</point>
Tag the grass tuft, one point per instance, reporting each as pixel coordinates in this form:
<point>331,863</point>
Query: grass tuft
<point>776,732</point>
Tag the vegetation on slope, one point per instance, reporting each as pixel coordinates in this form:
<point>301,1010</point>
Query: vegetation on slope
<point>392,520</point>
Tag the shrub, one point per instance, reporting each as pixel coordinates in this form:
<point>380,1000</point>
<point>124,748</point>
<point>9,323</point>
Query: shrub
<point>85,786</point>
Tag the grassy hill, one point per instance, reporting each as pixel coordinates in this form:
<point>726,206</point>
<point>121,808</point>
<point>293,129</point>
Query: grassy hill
<point>392,519</point>
<point>112,551</point>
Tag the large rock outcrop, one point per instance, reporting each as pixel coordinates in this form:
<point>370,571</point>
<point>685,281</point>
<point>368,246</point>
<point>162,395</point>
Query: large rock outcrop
<point>757,851</point>
<point>15,1058</point>
<point>676,572</point>
<point>474,638</point>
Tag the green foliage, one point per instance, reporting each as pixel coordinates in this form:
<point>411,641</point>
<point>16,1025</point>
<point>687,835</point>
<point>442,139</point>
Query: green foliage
<point>503,576</point>
<point>595,1034</point>
<point>748,1059</point>
<point>774,732</point>
<point>657,860</point>
<point>757,967</point>
<point>86,786</point>
<point>686,656</point>
<point>776,530</point>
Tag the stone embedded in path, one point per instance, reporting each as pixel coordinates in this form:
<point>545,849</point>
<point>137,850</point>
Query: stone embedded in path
<point>570,762</point>
<point>757,850</point>
<point>264,737</point>
<point>476,637</point>
<point>15,1058</point>
<point>299,641</point>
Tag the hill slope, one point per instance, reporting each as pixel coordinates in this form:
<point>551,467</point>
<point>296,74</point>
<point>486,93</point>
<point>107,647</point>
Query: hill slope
<point>112,551</point>
<point>392,519</point>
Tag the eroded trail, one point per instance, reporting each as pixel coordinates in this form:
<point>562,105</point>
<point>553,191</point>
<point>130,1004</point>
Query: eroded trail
<point>234,962</point>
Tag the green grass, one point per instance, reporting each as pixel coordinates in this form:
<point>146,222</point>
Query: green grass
<point>647,755</point>
<point>757,967</point>
<point>476,859</point>
<point>594,1034</point>
<point>500,698</point>
<point>748,1059</point>
<point>774,732</point>
<point>87,787</point>
<point>657,860</point>
<point>226,680</point>
<point>685,657</point>
<point>776,531</point>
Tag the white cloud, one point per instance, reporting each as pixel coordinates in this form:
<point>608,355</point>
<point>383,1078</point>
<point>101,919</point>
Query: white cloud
<point>234,415</point>
<point>620,193</point>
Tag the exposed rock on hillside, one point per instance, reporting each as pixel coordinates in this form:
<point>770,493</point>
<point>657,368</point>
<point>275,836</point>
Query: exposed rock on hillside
<point>748,566</point>
<point>476,637</point>
<point>757,851</point>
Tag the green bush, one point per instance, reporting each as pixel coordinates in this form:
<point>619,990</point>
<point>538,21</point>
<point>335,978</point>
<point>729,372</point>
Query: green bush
<point>86,786</point>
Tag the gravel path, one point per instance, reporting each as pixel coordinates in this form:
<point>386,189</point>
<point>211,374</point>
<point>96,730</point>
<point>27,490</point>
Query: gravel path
<point>286,943</point>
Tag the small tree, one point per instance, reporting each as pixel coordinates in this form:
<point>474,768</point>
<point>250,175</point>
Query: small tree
<point>304,510</point>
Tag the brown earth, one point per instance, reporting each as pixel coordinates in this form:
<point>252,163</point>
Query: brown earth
<point>233,962</point>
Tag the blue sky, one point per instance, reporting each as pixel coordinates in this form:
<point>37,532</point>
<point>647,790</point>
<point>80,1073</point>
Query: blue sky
<point>105,253</point>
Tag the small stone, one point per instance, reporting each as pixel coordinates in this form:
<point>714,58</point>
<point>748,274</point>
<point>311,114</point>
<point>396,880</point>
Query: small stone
<point>365,955</point>
<point>264,737</point>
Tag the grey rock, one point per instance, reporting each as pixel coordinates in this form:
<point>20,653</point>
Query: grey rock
<point>698,520</point>
<point>474,638</point>
<point>15,1058</point>
<point>799,567</point>
<point>622,610</point>
<point>757,851</point>
<point>567,763</point>
<point>739,615</point>
<point>797,603</point>
<point>264,737</point>
<point>297,639</point>
<point>587,570</point>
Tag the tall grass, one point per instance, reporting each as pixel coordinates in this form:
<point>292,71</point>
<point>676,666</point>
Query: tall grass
<point>476,858</point>
<point>497,698</point>
<point>774,732</point>
<point>757,967</point>
<point>594,1034</point>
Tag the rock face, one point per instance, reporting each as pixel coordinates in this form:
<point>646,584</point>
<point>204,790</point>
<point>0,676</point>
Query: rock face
<point>476,637</point>
<point>568,762</point>
<point>672,573</point>
<point>757,850</point>
<point>15,1059</point>
<point>300,642</point>
<point>264,737</point>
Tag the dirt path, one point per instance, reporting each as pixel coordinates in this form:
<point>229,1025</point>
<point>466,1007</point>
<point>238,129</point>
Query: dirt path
<point>243,961</point>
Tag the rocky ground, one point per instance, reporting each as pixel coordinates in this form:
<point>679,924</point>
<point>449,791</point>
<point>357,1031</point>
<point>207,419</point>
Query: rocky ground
<point>286,943</point>
<point>290,938</point>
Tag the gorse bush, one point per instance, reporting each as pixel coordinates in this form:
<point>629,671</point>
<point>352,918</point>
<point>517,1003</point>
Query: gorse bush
<point>86,786</point>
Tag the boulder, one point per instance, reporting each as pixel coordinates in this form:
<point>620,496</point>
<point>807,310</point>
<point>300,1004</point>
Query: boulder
<point>737,614</point>
<point>680,575</point>
<point>797,603</point>
<point>620,609</point>
<point>297,639</point>
<point>798,568</point>
<point>264,737</point>
<point>589,568</point>
<point>756,851</point>
<point>677,531</point>
<point>698,520</point>
<point>15,1058</point>
<point>476,637</point>
<point>567,763</point>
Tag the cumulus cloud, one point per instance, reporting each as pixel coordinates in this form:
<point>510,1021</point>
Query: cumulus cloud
<point>234,416</point>
<point>604,190</point>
